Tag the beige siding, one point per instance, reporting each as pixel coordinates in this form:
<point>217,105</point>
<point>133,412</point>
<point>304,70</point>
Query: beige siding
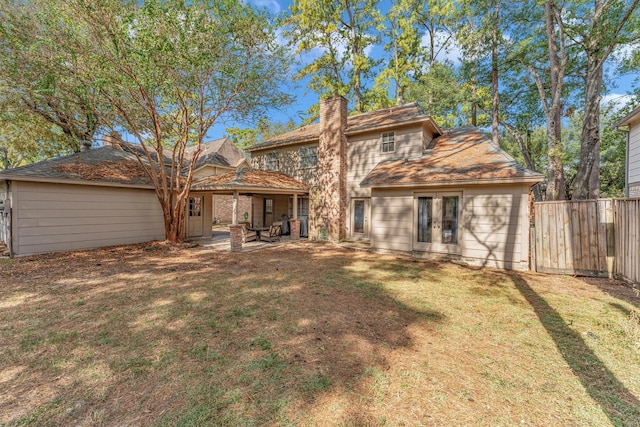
<point>58,217</point>
<point>496,225</point>
<point>494,219</point>
<point>392,220</point>
<point>364,152</point>
<point>634,153</point>
<point>209,170</point>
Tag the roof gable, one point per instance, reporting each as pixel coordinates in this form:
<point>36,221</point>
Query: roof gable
<point>460,155</point>
<point>635,114</point>
<point>385,118</point>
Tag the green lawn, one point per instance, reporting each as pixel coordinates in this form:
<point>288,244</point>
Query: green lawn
<point>309,334</point>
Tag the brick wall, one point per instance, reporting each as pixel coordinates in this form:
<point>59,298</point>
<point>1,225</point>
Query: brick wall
<point>328,203</point>
<point>634,190</point>
<point>223,207</point>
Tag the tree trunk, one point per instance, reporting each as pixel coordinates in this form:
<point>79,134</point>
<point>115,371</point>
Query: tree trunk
<point>556,185</point>
<point>495,101</point>
<point>556,189</point>
<point>587,186</point>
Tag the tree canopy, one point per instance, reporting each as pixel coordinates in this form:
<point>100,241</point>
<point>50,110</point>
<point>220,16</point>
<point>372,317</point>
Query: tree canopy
<point>164,71</point>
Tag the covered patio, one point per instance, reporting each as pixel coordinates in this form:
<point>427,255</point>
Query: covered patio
<point>269,190</point>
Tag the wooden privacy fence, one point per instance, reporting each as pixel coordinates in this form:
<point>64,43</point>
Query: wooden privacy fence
<point>589,237</point>
<point>627,239</point>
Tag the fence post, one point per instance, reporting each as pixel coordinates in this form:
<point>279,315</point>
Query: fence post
<point>532,247</point>
<point>611,237</point>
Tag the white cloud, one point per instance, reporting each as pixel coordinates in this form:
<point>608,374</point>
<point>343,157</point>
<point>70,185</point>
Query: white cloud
<point>616,100</point>
<point>451,52</point>
<point>271,5</point>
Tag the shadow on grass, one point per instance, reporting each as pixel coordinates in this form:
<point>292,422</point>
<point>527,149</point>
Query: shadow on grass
<point>618,403</point>
<point>617,289</point>
<point>154,337</point>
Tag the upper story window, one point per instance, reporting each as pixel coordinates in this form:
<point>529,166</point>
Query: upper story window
<point>272,161</point>
<point>308,157</point>
<point>388,143</point>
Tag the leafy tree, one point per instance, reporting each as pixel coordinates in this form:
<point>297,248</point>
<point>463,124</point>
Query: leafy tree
<point>247,137</point>
<point>28,138</point>
<point>341,31</point>
<point>167,70</point>
<point>42,72</point>
<point>441,93</point>
<point>404,49</point>
<point>542,50</point>
<point>598,27</point>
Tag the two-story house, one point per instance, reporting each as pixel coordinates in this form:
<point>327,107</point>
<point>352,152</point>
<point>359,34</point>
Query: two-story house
<point>393,178</point>
<point>631,124</point>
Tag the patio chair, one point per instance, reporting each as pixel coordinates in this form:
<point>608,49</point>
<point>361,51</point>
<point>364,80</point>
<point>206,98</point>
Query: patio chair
<point>248,235</point>
<point>273,233</point>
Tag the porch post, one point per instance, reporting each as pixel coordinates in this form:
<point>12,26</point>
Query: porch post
<point>295,222</point>
<point>295,206</point>
<point>235,230</point>
<point>234,215</point>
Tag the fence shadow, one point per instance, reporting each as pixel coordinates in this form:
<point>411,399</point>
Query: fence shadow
<point>618,403</point>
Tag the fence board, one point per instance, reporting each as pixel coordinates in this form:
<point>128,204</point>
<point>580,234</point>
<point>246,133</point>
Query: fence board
<point>575,235</point>
<point>592,237</point>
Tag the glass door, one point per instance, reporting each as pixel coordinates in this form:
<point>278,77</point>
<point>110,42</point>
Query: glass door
<point>437,222</point>
<point>195,222</point>
<point>360,218</point>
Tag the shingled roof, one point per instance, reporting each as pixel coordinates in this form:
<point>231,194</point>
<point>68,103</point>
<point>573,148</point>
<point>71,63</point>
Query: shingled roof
<point>250,180</point>
<point>461,155</point>
<point>382,119</point>
<point>219,152</point>
<point>107,165</point>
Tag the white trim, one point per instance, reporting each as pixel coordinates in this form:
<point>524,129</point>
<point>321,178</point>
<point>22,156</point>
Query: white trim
<point>521,180</point>
<point>73,181</point>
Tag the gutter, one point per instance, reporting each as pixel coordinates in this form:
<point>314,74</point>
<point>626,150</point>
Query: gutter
<point>524,180</point>
<point>73,182</point>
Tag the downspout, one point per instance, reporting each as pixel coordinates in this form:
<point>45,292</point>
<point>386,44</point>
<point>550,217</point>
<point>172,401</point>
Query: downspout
<point>626,165</point>
<point>626,160</point>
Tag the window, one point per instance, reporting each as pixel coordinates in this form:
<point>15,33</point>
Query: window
<point>308,156</point>
<point>272,161</point>
<point>450,219</point>
<point>425,219</point>
<point>303,206</point>
<point>388,144</point>
<point>358,216</point>
<point>195,206</point>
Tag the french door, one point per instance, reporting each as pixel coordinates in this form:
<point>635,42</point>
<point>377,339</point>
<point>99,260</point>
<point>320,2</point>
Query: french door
<point>437,222</point>
<point>195,221</point>
<point>360,211</point>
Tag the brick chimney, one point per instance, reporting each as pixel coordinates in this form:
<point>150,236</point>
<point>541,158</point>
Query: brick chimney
<point>112,138</point>
<point>331,197</point>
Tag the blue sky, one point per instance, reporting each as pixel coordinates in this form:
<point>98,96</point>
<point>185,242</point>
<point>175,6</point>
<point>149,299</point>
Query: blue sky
<point>617,89</point>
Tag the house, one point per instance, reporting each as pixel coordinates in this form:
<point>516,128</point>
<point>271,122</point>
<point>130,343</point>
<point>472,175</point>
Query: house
<point>101,197</point>
<point>218,157</point>
<point>394,179</point>
<point>631,124</point>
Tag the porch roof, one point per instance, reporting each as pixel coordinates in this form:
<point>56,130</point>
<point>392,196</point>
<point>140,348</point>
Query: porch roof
<point>250,181</point>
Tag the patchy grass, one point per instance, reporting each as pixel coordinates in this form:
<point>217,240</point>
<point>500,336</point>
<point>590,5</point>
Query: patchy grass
<point>309,335</point>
